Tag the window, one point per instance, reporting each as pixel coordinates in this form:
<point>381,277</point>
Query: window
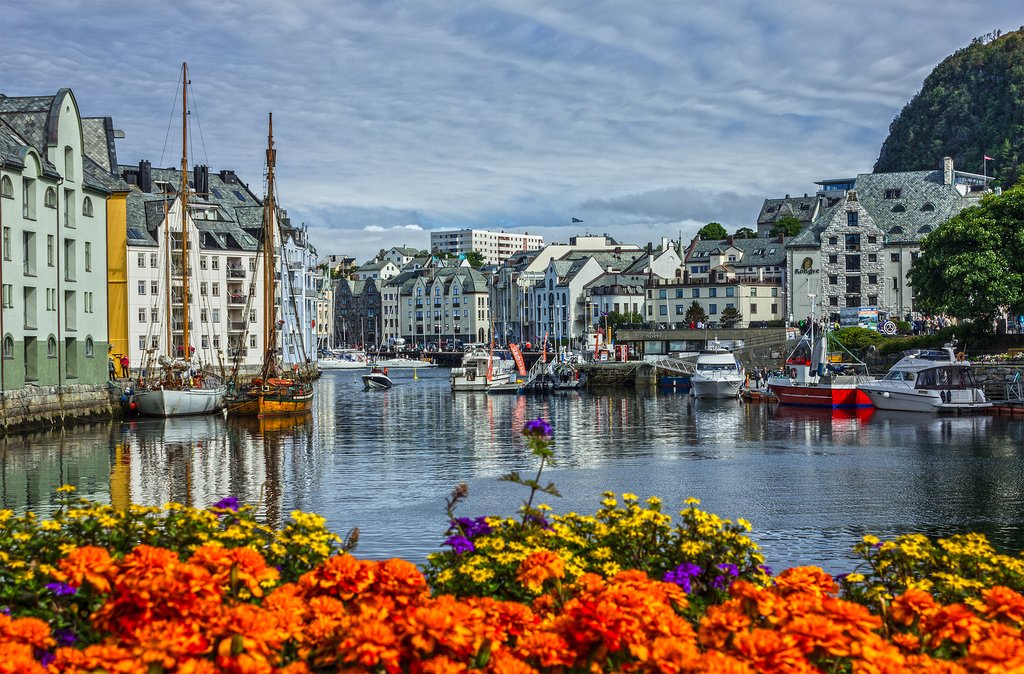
<point>49,250</point>
<point>895,283</point>
<point>51,347</point>
<point>928,207</point>
<point>90,348</point>
<point>833,301</point>
<point>87,207</point>
<point>899,208</point>
<point>252,341</point>
<point>775,293</point>
<point>202,288</point>
<point>142,287</point>
<point>215,263</point>
<point>142,260</point>
<point>753,309</point>
<point>851,218</point>
<point>152,260</point>
<point>712,309</point>
<point>142,342</point>
<point>872,257</point>
<point>695,292</point>
<point>154,315</point>
<point>679,293</point>
<point>202,262</point>
<point>894,257</point>
<point>215,287</point>
<point>680,310</point>
<point>753,292</point>
<point>88,256</point>
<point>915,255</point>
<point>775,309</point>
<point>6,188</point>
<point>7,243</point>
<point>852,242</point>
<point>853,284</point>
<point>154,287</point>
<point>69,208</point>
<point>872,278</point>
<point>663,310</point>
<point>730,292</point>
<point>893,194</point>
<point>142,315</point>
<point>872,239</point>
<point>712,292</point>
<point>50,198</point>
<point>872,300</point>
<point>662,294</point>
<point>853,263</point>
<point>28,198</point>
<point>833,259</point>
<point>833,240</point>
<point>215,313</point>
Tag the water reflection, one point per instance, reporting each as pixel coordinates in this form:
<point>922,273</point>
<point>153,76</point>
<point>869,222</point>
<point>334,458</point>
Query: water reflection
<point>811,481</point>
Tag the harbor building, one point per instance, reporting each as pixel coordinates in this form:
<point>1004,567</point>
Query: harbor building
<point>495,247</point>
<point>55,186</point>
<point>436,304</point>
<point>858,250</point>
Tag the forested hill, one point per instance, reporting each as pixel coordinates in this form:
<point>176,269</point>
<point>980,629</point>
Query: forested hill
<point>971,105</point>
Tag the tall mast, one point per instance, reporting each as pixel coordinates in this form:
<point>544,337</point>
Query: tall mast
<point>269,327</point>
<point>184,210</point>
<point>169,344</point>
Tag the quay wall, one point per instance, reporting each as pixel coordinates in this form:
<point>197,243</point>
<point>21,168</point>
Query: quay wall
<point>47,406</point>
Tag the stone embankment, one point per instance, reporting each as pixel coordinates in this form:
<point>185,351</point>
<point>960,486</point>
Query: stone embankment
<point>36,406</point>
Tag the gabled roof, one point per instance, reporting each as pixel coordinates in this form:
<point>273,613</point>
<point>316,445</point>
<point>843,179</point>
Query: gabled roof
<point>802,208</point>
<point>759,252</point>
<point>618,284</point>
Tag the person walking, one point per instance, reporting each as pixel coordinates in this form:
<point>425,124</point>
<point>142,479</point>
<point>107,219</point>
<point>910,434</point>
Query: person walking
<point>125,370</point>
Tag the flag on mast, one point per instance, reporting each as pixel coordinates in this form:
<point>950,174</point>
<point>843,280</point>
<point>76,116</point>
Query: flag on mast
<point>575,220</point>
<point>987,158</point>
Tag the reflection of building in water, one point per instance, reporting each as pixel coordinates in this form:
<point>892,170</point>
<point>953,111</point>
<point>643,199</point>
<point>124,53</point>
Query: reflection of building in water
<point>200,460</point>
<point>34,464</point>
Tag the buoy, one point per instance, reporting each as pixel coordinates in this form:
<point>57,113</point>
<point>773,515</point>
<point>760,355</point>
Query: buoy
<point>133,405</point>
<point>414,374</point>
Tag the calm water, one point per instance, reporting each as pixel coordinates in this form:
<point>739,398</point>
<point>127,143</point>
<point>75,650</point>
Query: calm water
<point>384,461</point>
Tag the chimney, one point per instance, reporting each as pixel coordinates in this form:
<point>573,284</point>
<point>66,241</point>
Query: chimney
<point>131,176</point>
<point>201,179</point>
<point>145,176</point>
<point>664,243</point>
<point>729,240</point>
<point>228,177</point>
<point>947,170</point>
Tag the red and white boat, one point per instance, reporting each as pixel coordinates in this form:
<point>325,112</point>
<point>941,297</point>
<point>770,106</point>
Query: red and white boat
<point>809,380</point>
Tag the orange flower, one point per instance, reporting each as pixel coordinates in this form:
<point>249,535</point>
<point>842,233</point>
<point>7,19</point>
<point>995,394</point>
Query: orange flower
<point>110,659</point>
<point>954,622</point>
<point>503,662</point>
<point>343,576</point>
<point>373,644</point>
<point>911,606</point>
<point>89,563</point>
<point>193,666</point>
<point>998,655</point>
<point>1002,603</point>
<point>538,567</point>
<point>31,632</point>
<point>720,622</point>
<point>908,643</point>
<point>442,664</point>
<point>811,632</point>
<point>18,659</point>
<point>759,603</point>
<point>674,655</point>
<point>805,579</point>
<point>770,651</point>
<point>550,650</point>
<point>716,662</point>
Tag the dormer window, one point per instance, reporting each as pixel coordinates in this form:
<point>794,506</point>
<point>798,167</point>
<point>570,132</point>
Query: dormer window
<point>899,208</point>
<point>893,193</point>
<point>928,207</point>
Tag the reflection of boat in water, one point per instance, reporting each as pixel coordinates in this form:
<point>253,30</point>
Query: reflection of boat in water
<point>376,379</point>
<point>176,429</point>
<point>718,374</point>
<point>928,381</point>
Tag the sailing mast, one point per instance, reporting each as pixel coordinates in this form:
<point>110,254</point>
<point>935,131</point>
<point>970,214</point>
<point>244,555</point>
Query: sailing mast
<point>184,212</point>
<point>269,327</point>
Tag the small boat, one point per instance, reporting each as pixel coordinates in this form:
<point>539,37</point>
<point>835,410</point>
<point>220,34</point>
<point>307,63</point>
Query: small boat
<point>810,380</point>
<point>377,379</point>
<point>480,370</point>
<point>928,381</point>
<point>718,374</point>
<point>344,359</point>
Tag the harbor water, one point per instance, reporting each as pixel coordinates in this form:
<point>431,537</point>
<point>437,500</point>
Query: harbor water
<point>811,482</point>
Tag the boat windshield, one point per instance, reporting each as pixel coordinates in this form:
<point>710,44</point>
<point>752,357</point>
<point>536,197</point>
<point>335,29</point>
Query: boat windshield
<point>946,378</point>
<point>708,367</point>
<point>900,375</point>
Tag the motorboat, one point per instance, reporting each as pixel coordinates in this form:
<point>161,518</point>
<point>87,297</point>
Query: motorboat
<point>376,379</point>
<point>718,374</point>
<point>811,379</point>
<point>403,362</point>
<point>480,370</point>
<point>928,381</point>
<point>344,359</point>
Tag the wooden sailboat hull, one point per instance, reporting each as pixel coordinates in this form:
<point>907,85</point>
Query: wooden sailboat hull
<point>183,402</point>
<point>273,404</point>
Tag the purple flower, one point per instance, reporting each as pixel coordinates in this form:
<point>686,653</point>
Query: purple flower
<point>61,589</point>
<point>719,582</point>
<point>64,637</point>
<point>537,428</point>
<point>44,657</point>
<point>5,610</point>
<point>460,544</point>
<point>682,575</point>
<point>227,503</point>
<point>730,569</point>
<point>765,568</point>
<point>538,519</point>
<point>473,527</point>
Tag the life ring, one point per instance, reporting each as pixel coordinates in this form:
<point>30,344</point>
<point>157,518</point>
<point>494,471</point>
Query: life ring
<point>960,355</point>
<point>792,373</point>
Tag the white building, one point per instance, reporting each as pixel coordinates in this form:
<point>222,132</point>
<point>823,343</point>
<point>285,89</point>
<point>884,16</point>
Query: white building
<point>435,305</point>
<point>53,210</point>
<point>495,247</point>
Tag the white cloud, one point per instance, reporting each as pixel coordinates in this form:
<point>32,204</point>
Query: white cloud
<point>392,119</point>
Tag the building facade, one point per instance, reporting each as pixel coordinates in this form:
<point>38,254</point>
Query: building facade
<point>434,305</point>
<point>53,264</point>
<point>495,247</point>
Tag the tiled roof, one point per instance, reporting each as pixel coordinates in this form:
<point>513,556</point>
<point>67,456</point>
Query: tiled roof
<point>759,252</point>
<point>619,284</point>
<point>801,208</point>
<point>98,137</point>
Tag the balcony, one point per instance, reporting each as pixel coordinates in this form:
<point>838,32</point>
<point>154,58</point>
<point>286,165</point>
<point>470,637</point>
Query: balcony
<point>295,265</point>
<point>238,326</point>
<point>236,272</point>
<point>236,299</point>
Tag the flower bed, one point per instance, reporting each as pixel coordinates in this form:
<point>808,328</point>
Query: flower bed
<point>192,591</point>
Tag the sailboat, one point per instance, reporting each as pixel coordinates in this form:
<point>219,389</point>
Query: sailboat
<point>178,386</point>
<point>274,392</point>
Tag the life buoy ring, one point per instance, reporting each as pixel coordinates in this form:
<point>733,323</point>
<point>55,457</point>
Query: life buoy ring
<point>792,373</point>
<point>960,355</point>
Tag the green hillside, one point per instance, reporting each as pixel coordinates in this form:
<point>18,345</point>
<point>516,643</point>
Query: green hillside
<point>971,105</point>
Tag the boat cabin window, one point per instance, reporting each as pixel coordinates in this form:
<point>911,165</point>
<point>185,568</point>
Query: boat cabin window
<point>946,377</point>
<point>898,375</point>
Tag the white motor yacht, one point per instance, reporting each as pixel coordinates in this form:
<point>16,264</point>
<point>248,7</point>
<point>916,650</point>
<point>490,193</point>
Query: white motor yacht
<point>343,359</point>
<point>376,379</point>
<point>473,374</point>
<point>928,381</point>
<point>718,373</point>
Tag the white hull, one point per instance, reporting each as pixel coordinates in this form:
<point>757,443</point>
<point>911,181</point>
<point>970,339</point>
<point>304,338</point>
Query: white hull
<point>718,387</point>
<point>397,363</point>
<point>178,403</point>
<point>463,383</point>
<point>335,364</point>
<point>918,400</point>
<point>376,381</point>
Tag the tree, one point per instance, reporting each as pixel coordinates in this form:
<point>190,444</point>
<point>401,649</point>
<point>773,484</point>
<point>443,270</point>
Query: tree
<point>616,319</point>
<point>475,258</point>
<point>712,231</point>
<point>730,317</point>
<point>695,313</point>
<point>744,233</point>
<point>787,225</point>
<point>972,265</point>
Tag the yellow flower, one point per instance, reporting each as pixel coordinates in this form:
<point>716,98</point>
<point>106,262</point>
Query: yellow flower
<point>66,489</point>
<point>855,577</point>
<point>50,525</point>
<point>692,501</point>
<point>744,523</point>
<point>871,540</point>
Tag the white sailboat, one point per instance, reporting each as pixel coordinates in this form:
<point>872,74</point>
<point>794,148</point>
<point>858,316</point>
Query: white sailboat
<point>177,386</point>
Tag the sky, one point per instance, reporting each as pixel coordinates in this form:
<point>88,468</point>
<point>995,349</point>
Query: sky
<point>643,119</point>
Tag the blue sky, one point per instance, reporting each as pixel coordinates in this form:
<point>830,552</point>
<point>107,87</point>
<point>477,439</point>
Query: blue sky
<point>644,119</point>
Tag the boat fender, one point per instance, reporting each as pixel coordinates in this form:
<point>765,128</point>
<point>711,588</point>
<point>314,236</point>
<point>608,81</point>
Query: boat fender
<point>960,355</point>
